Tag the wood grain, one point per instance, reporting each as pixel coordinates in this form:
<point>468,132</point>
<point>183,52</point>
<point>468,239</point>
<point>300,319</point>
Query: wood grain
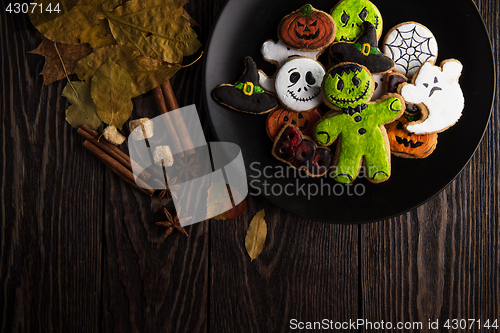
<point>80,252</point>
<point>51,200</point>
<point>441,261</point>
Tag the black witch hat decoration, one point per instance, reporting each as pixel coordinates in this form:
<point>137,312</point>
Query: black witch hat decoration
<point>363,51</point>
<point>246,95</point>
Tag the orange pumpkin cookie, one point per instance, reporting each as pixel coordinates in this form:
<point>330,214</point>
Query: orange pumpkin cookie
<point>307,29</point>
<point>305,121</point>
<point>409,145</point>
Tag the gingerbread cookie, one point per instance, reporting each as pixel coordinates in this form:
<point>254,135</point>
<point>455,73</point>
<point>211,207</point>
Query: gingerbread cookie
<point>278,53</point>
<point>410,44</point>
<point>246,95</point>
<point>298,84</point>
<point>363,51</point>
<point>409,145</point>
<point>437,91</point>
<point>307,29</point>
<point>301,152</point>
<point>349,16</point>
<point>304,121</point>
<point>360,124</point>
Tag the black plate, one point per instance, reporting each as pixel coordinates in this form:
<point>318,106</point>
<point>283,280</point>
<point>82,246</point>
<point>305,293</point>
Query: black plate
<point>240,31</point>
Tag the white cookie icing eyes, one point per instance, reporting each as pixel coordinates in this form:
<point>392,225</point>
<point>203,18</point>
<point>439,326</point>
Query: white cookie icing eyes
<point>410,44</point>
<point>280,53</point>
<point>438,89</point>
<point>298,84</point>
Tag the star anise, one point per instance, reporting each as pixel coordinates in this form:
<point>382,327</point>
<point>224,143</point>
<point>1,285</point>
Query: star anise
<point>187,168</point>
<point>173,222</point>
<point>171,188</point>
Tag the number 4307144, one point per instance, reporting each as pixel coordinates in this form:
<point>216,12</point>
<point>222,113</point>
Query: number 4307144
<point>17,8</point>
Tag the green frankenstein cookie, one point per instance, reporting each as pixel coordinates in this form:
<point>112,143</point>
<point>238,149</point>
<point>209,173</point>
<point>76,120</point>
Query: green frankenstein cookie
<point>349,16</point>
<point>360,124</point>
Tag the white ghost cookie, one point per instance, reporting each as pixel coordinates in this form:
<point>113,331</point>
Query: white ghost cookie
<point>298,84</point>
<point>437,90</point>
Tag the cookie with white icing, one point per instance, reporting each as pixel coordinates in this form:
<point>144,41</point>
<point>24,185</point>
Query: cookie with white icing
<point>437,91</point>
<point>278,53</point>
<point>410,44</point>
<point>298,84</point>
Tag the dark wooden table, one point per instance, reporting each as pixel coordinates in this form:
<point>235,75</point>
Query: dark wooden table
<point>80,251</point>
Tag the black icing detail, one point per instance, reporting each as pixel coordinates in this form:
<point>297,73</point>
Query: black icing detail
<point>299,99</point>
<point>376,63</point>
<point>230,96</point>
<point>346,175</point>
<point>357,119</point>
<point>380,171</point>
<point>294,77</point>
<point>310,78</point>
<point>353,100</point>
<point>390,106</point>
<point>309,36</point>
<point>363,14</point>
<point>324,133</point>
<point>344,18</point>
<point>408,143</point>
<point>362,131</point>
<point>303,127</point>
<point>436,88</point>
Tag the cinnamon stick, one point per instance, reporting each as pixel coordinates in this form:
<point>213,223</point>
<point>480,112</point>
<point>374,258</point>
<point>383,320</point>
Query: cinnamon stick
<point>118,168</point>
<point>89,134</point>
<point>180,125</point>
<point>161,102</point>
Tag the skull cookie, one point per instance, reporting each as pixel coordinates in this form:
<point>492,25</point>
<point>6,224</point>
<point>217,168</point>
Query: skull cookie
<point>298,84</point>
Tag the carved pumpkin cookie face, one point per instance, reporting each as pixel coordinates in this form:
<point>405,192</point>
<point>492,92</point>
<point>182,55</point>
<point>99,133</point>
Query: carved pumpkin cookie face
<point>349,16</point>
<point>304,121</point>
<point>298,84</point>
<point>409,145</point>
<point>307,29</point>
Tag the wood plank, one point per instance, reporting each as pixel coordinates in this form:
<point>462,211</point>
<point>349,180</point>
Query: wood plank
<point>307,271</point>
<point>441,261</point>
<point>51,199</point>
<point>151,285</point>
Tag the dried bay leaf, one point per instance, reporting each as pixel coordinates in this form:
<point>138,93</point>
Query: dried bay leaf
<point>53,69</point>
<point>111,91</point>
<point>157,28</point>
<point>256,235</point>
<point>146,73</point>
<point>82,111</point>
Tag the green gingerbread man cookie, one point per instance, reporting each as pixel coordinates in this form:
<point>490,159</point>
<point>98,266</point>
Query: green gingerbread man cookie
<point>360,124</point>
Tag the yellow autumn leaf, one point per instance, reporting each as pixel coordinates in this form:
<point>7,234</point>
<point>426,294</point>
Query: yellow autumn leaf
<point>82,111</point>
<point>157,28</point>
<point>146,73</point>
<point>256,235</point>
<point>111,91</point>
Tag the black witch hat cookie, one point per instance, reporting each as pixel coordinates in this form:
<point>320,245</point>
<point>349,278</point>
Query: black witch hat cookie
<point>363,51</point>
<point>246,95</point>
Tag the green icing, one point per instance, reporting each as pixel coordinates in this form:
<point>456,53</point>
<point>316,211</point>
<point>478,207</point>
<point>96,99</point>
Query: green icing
<point>349,16</point>
<point>256,89</point>
<point>361,136</point>
<point>306,10</point>
<point>348,89</point>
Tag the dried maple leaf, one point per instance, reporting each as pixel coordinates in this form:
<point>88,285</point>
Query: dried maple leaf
<point>111,92</point>
<point>69,55</point>
<point>146,73</point>
<point>156,28</point>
